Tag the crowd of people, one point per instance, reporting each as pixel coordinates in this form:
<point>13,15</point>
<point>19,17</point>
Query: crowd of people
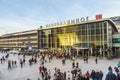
<point>74,74</point>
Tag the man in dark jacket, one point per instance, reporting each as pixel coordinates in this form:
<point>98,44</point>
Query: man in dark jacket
<point>110,75</point>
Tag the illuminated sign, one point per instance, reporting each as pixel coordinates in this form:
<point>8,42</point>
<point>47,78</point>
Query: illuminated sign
<point>74,21</point>
<point>99,16</point>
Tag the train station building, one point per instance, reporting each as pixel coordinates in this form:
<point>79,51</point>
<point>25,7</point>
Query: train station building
<point>86,36</point>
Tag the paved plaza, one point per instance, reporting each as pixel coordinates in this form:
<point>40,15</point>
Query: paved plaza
<point>32,72</point>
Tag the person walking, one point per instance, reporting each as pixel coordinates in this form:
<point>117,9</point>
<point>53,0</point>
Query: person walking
<point>12,63</point>
<point>87,59</point>
<point>73,64</point>
<point>110,75</point>
<point>49,74</point>
<point>38,78</point>
<point>21,63</point>
<point>63,61</point>
<point>64,74</point>
<point>40,69</point>
<point>68,75</point>
<point>118,76</point>
<point>15,62</point>
<point>77,65</point>
<point>96,60</point>
<point>24,61</point>
<point>100,75</point>
<point>1,60</point>
<point>118,65</point>
<point>9,65</point>
<point>93,75</point>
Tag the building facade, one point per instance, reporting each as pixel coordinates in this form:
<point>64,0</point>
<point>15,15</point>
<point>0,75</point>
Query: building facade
<point>18,40</point>
<point>84,36</point>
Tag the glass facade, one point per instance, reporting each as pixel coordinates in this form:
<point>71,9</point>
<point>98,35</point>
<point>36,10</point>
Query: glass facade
<point>95,33</point>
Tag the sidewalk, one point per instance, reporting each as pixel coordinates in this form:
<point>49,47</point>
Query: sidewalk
<point>33,73</point>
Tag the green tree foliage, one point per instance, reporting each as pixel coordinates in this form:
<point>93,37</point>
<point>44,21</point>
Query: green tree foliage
<point>40,27</point>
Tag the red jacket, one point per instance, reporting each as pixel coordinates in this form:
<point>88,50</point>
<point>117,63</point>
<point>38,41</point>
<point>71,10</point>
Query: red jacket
<point>40,68</point>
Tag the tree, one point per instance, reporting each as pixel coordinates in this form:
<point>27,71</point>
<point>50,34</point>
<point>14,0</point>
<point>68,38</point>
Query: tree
<point>40,27</point>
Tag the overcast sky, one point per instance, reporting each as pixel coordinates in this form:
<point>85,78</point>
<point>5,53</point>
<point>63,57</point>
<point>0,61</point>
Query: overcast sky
<point>22,15</point>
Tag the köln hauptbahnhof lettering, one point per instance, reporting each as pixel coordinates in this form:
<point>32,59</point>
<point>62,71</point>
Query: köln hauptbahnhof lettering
<point>87,36</point>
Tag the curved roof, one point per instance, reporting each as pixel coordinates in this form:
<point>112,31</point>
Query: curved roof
<point>110,21</point>
<point>113,25</point>
<point>6,35</point>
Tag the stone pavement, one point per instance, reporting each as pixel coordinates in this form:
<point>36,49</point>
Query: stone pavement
<point>32,72</point>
